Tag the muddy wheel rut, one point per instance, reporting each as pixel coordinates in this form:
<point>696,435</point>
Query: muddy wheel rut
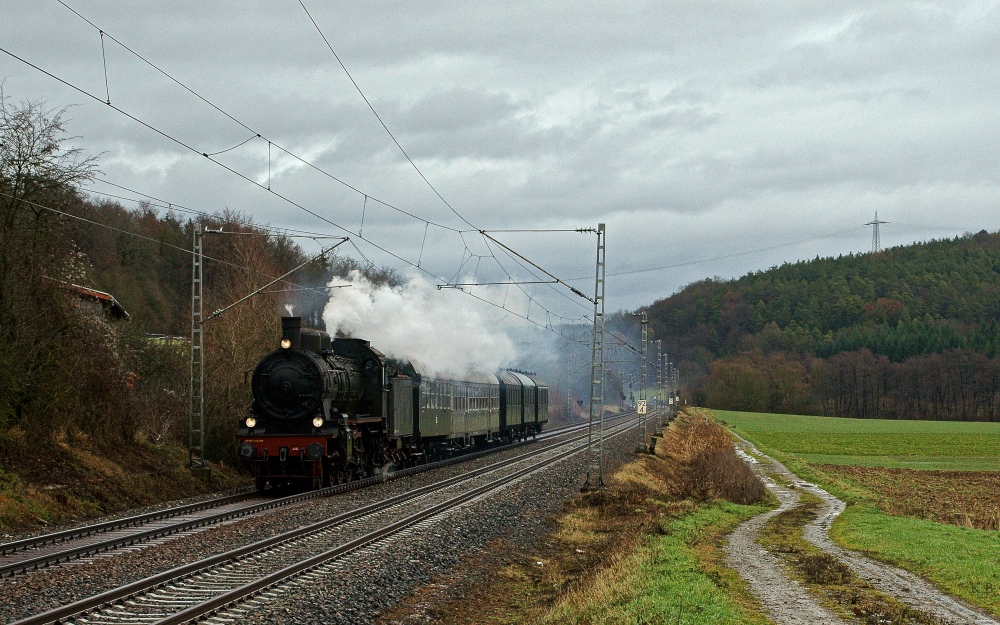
<point>789,602</point>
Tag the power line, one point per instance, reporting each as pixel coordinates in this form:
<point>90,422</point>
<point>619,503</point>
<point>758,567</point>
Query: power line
<point>150,239</point>
<point>514,257</point>
<point>273,282</point>
<point>549,274</point>
<point>724,256</point>
<point>536,230</point>
<point>379,118</point>
<point>302,160</point>
<point>186,146</point>
<point>295,156</point>
<point>239,122</point>
<point>271,232</point>
<point>410,160</point>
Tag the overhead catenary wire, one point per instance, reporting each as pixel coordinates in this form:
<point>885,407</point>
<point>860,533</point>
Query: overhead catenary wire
<point>104,57</point>
<point>273,282</point>
<point>274,233</point>
<point>453,285</point>
<point>245,126</point>
<point>300,159</point>
<point>574,301</point>
<point>407,156</point>
<point>151,239</point>
<point>378,117</point>
<point>240,144</point>
<point>161,203</point>
<point>233,171</point>
<point>722,257</point>
<point>295,156</point>
<point>536,266</point>
<point>528,230</point>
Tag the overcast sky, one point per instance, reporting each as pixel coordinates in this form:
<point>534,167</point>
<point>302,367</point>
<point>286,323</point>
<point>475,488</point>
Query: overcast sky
<point>693,129</point>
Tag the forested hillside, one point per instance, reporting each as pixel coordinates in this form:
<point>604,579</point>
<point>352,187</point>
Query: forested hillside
<point>910,332</point>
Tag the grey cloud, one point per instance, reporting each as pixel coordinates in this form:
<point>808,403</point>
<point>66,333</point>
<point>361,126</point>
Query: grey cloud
<point>686,126</point>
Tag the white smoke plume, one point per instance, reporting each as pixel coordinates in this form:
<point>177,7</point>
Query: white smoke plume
<point>444,330</point>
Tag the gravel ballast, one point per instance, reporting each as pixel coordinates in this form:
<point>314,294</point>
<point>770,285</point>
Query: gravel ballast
<point>359,587</point>
<point>36,592</point>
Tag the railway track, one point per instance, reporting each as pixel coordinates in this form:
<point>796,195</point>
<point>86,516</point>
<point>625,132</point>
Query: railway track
<point>221,582</point>
<point>39,552</point>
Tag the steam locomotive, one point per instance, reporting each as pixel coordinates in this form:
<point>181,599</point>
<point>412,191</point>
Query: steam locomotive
<point>329,410</point>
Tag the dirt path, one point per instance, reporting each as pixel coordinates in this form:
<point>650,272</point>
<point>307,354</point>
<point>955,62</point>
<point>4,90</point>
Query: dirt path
<point>902,585</point>
<point>786,601</point>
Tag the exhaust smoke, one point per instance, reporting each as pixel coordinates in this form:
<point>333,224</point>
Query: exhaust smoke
<point>446,331</point>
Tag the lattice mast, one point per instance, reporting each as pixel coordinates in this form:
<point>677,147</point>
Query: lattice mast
<point>595,433</point>
<point>876,242</point>
<point>659,375</point>
<point>196,425</point>
<point>643,396</point>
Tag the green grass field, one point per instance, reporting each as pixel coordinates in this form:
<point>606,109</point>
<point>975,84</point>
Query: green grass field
<point>942,445</point>
<point>672,578</point>
<point>962,561</point>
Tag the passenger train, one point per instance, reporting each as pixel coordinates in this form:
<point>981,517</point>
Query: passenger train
<point>328,410</point>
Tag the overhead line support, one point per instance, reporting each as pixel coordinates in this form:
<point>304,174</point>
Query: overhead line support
<point>600,236</point>
<point>196,420</point>
<point>595,431</point>
<point>196,415</point>
<point>643,446</point>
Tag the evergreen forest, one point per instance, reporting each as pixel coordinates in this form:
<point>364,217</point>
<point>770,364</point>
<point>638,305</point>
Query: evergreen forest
<point>906,333</point>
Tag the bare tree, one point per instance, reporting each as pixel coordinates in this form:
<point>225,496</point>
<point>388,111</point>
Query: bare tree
<point>36,168</point>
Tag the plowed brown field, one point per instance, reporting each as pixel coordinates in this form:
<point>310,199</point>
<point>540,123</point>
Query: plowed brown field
<point>964,498</point>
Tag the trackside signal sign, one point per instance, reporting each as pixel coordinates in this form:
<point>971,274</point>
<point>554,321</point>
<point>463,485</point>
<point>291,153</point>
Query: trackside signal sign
<point>641,406</point>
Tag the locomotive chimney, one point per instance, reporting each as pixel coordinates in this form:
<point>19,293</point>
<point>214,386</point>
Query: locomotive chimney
<point>291,329</point>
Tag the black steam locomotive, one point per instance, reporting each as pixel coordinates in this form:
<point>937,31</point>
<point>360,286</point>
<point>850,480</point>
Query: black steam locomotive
<point>329,410</point>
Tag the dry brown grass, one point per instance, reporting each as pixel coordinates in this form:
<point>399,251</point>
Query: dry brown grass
<point>590,554</point>
<point>707,466</point>
<point>58,482</point>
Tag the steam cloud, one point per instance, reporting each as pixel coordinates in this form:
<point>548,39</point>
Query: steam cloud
<point>443,330</point>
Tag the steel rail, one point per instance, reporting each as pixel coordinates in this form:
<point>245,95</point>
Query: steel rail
<point>213,606</point>
<point>63,613</point>
<point>114,524</point>
<point>80,551</point>
<point>233,597</point>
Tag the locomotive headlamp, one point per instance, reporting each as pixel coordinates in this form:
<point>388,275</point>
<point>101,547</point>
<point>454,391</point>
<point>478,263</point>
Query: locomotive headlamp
<point>317,422</point>
<point>286,343</point>
<point>251,422</point>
